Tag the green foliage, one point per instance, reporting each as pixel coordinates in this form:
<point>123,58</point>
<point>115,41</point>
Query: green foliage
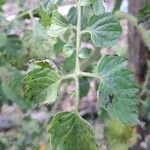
<point>90,24</point>
<point>45,18</point>
<point>2,2</point>
<point>10,48</point>
<point>84,86</point>
<point>98,7</point>
<point>84,53</point>
<point>69,64</point>
<point>144,12</point>
<point>104,29</point>
<point>119,136</point>
<point>41,82</point>
<point>58,25</point>
<point>117,89</point>
<point>58,46</point>
<point>69,131</point>
<point>11,85</point>
<point>68,50</point>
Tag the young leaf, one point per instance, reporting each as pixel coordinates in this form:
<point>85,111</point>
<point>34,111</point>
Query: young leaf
<point>41,82</point>
<point>45,18</point>
<point>69,131</point>
<point>68,50</point>
<point>72,15</point>
<point>117,89</point>
<point>98,7</point>
<point>49,5</point>
<point>105,30</point>
<point>84,53</point>
<point>59,25</point>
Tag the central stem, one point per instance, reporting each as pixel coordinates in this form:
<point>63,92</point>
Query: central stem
<point>78,45</point>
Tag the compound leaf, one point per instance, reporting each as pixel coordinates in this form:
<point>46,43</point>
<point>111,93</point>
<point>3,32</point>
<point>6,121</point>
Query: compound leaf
<point>117,89</point>
<point>41,82</point>
<point>105,30</point>
<point>69,131</point>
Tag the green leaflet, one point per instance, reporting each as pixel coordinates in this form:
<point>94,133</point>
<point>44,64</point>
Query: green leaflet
<point>69,131</point>
<point>46,9</point>
<point>41,82</point>
<point>119,136</point>
<point>84,53</point>
<point>49,5</point>
<point>38,42</point>
<point>117,89</point>
<point>45,18</point>
<point>98,7</point>
<point>72,15</point>
<point>105,30</point>
<point>68,50</point>
<point>58,26</point>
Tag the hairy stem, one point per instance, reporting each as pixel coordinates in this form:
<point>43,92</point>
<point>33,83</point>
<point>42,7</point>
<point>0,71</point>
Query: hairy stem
<point>78,44</point>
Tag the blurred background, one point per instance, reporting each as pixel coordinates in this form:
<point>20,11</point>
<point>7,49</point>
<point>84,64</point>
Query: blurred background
<point>23,38</point>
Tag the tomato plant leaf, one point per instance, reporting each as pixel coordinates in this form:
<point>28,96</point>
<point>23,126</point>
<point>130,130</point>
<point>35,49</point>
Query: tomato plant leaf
<point>72,15</point>
<point>105,30</point>
<point>45,18</point>
<point>84,53</point>
<point>69,131</point>
<point>98,7</point>
<point>117,89</point>
<point>68,50</point>
<point>59,25</point>
<point>41,82</point>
